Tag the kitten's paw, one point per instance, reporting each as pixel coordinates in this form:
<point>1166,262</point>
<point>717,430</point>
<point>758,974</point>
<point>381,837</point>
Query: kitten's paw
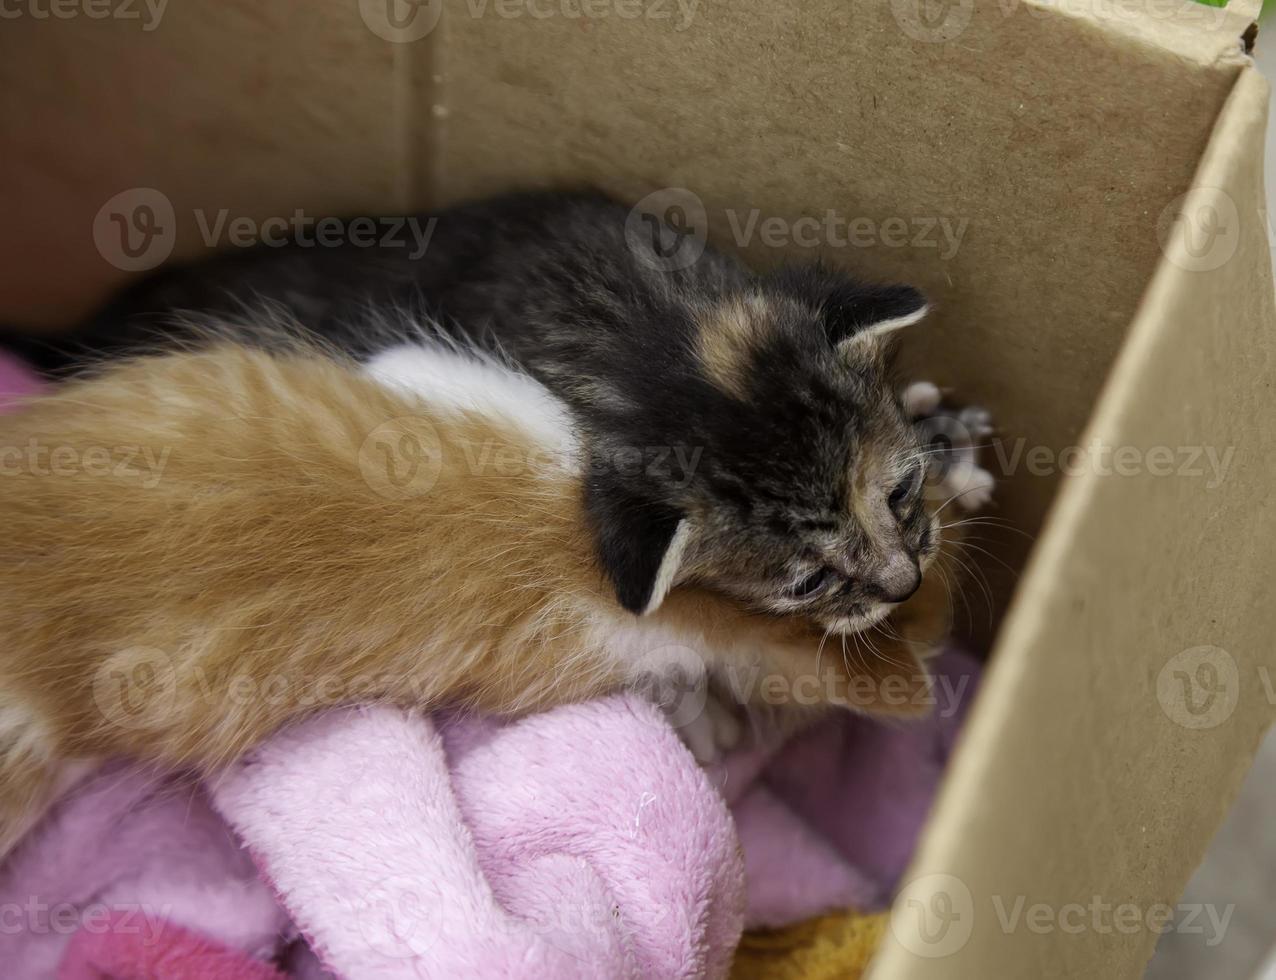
<point>921,398</point>
<point>978,422</point>
<point>953,438</point>
<point>713,732</point>
<point>969,485</point>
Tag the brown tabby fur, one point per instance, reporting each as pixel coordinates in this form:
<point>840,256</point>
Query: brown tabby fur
<point>270,571</point>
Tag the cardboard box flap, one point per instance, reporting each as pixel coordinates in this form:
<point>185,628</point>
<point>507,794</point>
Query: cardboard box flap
<point>1133,677</point>
<point>1204,33</point>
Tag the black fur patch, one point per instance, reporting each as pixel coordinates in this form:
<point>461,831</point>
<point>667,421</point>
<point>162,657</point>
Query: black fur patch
<point>632,534</point>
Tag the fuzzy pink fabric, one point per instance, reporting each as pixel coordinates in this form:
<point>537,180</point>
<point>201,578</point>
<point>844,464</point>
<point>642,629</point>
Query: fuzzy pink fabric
<point>580,843</point>
<point>120,953</point>
<point>137,855</point>
<point>17,381</point>
<point>831,819</point>
<point>528,853</point>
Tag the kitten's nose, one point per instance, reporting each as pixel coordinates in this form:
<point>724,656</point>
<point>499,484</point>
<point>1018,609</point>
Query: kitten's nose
<point>899,578</point>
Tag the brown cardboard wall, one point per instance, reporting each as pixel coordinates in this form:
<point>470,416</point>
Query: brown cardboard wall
<point>254,108</point>
<point>1133,677</point>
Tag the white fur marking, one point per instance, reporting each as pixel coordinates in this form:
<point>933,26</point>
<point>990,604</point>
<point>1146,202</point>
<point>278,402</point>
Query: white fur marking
<point>669,566</point>
<point>465,382</point>
<point>896,322</point>
<point>883,327</point>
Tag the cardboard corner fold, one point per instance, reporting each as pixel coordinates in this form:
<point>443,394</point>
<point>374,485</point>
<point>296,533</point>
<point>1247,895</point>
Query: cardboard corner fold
<point>1203,34</point>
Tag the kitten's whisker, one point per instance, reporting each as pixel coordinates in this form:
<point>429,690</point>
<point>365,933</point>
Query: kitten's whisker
<point>989,521</point>
<point>883,656</point>
<point>968,543</point>
<point>959,493</point>
<point>979,580</point>
<point>960,592</point>
<point>820,651</point>
<point>943,450</point>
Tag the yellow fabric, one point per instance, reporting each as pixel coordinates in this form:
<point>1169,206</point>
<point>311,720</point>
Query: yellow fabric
<point>831,947</point>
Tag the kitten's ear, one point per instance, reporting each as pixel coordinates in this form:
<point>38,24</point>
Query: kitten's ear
<point>869,313</point>
<point>853,312</point>
<point>640,541</point>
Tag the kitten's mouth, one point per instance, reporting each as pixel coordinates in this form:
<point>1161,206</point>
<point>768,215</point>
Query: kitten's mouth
<point>858,622</point>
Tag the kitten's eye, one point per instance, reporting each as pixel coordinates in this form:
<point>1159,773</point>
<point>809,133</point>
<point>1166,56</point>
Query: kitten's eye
<point>812,584</point>
<point>901,492</point>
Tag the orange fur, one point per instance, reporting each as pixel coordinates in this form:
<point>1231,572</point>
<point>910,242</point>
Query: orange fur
<point>271,568</point>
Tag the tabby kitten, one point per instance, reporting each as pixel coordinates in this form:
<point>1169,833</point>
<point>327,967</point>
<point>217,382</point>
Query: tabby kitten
<point>741,430</point>
<point>200,547</point>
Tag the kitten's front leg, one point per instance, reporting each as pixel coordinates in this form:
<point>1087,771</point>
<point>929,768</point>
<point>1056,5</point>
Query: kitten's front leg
<point>952,439</point>
<point>714,731</point>
<point>705,715</point>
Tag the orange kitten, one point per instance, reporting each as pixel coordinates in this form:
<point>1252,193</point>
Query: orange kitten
<point>198,548</point>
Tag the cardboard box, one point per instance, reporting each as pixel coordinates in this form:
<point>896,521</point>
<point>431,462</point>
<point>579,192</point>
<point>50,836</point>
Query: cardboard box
<point>1104,282</point>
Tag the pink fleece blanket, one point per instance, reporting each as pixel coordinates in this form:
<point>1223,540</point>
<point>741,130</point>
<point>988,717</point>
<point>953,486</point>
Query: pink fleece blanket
<point>580,843</point>
<point>584,842</point>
